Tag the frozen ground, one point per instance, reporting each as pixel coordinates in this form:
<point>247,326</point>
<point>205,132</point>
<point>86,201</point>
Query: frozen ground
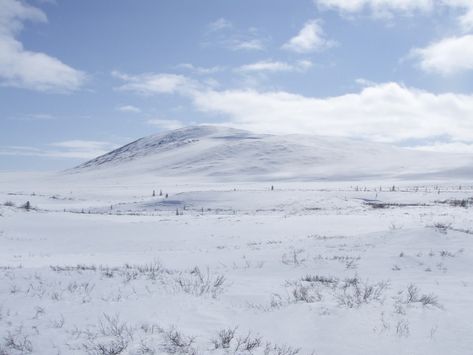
<point>306,268</point>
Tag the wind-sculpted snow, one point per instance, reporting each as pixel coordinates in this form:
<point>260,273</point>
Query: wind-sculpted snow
<point>218,153</point>
<point>361,268</point>
<point>190,242</point>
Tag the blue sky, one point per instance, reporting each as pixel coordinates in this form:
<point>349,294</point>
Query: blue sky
<point>78,78</point>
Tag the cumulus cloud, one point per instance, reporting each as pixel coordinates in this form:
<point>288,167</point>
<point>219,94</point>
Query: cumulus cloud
<point>447,56</point>
<point>387,112</point>
<point>275,66</point>
<point>26,69</point>
<point>150,83</point>
<point>309,39</point>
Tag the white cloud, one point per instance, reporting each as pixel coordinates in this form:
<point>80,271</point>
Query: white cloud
<point>13,13</point>
<point>447,56</point>
<point>309,39</point>
<point>165,124</point>
<point>451,147</point>
<point>466,19</point>
<point>388,8</point>
<point>33,117</point>
<point>364,82</point>
<point>73,149</point>
<point>129,108</point>
<point>200,70</point>
<point>26,69</point>
<point>246,45</point>
<point>151,83</point>
<point>220,24</point>
<point>379,8</point>
<point>223,33</point>
<point>385,112</point>
<point>275,66</point>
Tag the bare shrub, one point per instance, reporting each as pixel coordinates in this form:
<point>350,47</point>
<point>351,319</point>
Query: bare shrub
<point>196,283</point>
<point>113,338</point>
<point>399,308</point>
<point>402,328</point>
<point>351,264</point>
<point>247,343</point>
<point>18,341</point>
<point>429,300</point>
<point>327,281</point>
<point>351,292</point>
<point>445,253</point>
<point>58,323</point>
<point>354,293</point>
<point>413,296</point>
<point>152,270</point>
<point>442,227</point>
<point>77,268</point>
<point>224,338</point>
<point>111,326</point>
<point>144,349</point>
<point>276,301</point>
<point>193,281</point>
<point>227,339</point>
<point>27,206</point>
<point>176,342</point>
<point>271,349</point>
<point>305,293</point>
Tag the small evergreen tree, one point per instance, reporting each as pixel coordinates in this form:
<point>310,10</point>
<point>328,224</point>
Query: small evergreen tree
<point>27,206</point>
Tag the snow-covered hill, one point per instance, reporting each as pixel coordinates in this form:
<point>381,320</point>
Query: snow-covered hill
<point>221,153</point>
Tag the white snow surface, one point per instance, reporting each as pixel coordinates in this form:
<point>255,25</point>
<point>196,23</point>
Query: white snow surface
<point>380,264</point>
<point>226,154</point>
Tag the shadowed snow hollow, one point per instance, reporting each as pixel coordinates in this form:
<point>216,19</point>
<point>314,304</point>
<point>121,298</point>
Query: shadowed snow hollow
<point>220,153</point>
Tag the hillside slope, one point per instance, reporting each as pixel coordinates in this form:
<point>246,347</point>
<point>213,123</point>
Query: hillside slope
<point>220,153</point>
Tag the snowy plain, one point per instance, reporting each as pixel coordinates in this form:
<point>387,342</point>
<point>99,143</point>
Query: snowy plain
<point>238,263</point>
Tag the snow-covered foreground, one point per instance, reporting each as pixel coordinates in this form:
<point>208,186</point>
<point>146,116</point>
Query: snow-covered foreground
<point>307,268</point>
